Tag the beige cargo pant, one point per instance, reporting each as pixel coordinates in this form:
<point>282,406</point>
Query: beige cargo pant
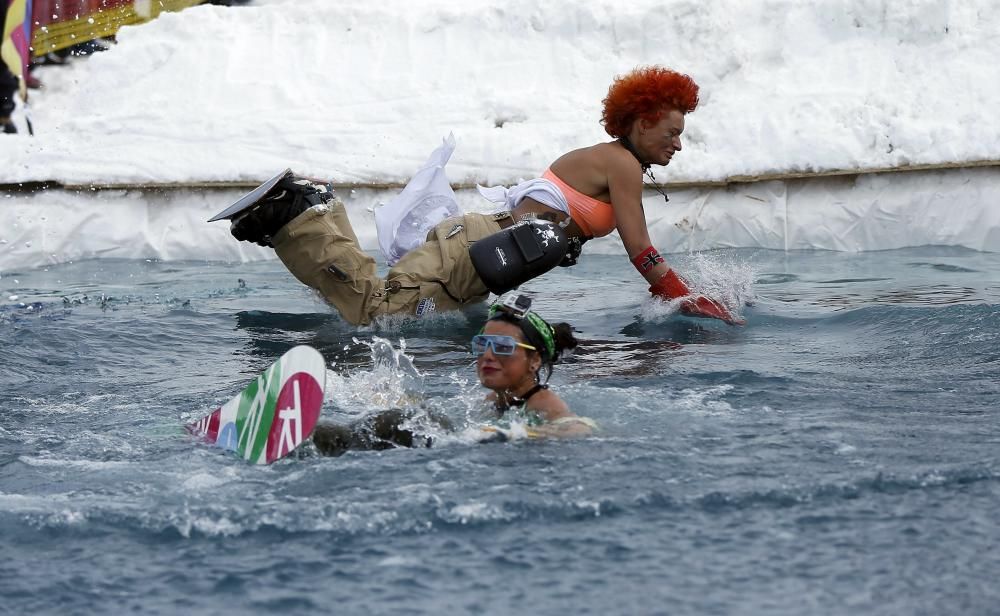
<point>320,248</point>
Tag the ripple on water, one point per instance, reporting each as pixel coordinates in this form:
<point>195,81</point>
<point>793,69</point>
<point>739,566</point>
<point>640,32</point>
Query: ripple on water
<point>841,445</point>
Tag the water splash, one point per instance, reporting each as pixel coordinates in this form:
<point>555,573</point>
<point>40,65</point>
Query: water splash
<point>392,382</point>
<point>723,277</point>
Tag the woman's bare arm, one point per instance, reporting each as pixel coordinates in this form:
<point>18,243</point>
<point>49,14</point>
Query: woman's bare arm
<point>625,187</point>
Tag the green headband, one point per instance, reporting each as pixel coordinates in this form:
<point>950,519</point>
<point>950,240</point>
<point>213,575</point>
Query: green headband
<point>536,323</point>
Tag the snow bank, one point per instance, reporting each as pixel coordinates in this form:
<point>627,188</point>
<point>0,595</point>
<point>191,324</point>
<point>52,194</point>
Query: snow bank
<point>360,92</point>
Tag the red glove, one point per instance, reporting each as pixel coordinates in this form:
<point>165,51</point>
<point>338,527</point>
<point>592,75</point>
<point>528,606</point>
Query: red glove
<point>670,287</point>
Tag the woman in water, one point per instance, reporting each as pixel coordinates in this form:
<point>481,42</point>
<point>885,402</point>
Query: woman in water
<point>512,351</point>
<point>586,193</point>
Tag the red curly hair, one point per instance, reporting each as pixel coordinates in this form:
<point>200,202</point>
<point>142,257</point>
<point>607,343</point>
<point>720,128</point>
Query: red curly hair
<point>645,93</point>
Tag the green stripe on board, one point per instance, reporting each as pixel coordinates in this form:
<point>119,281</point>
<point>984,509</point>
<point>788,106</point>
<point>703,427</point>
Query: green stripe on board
<point>256,412</point>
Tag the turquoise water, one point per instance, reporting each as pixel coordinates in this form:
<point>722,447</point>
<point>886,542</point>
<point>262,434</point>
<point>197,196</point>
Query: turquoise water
<point>838,455</point>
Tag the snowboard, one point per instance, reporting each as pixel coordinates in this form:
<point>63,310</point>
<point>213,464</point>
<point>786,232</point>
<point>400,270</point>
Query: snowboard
<point>274,413</point>
<point>250,198</point>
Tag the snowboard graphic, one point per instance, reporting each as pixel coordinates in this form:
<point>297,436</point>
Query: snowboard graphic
<point>274,414</point>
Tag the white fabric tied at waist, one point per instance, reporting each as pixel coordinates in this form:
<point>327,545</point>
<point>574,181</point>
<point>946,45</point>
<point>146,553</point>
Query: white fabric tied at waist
<point>541,190</point>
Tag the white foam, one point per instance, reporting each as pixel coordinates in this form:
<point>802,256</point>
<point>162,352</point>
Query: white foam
<point>474,512</point>
<point>705,401</point>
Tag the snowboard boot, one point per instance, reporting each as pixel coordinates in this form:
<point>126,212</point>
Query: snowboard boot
<point>290,197</point>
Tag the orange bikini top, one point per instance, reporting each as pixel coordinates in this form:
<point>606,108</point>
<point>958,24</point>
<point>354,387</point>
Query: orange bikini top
<point>595,218</point>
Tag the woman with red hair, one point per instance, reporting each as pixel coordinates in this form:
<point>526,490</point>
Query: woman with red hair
<point>602,184</point>
<point>586,193</point>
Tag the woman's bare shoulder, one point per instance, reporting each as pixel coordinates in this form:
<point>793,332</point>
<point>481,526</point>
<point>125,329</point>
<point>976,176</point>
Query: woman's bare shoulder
<point>592,154</point>
<point>549,405</point>
<point>588,169</point>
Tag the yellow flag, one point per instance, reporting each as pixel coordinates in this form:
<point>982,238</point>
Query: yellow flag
<point>15,40</point>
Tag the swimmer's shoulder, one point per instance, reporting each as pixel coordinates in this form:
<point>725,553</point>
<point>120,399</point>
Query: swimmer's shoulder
<point>555,412</point>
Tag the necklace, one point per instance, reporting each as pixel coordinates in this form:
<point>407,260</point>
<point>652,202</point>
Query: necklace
<point>515,402</point>
<point>627,144</point>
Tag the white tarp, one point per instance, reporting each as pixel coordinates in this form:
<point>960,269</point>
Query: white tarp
<point>953,207</point>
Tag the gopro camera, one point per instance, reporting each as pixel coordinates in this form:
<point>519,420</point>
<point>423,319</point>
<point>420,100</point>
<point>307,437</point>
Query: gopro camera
<point>516,305</point>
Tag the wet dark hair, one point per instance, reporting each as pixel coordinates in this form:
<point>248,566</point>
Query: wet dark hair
<point>561,333</point>
<point>565,340</point>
